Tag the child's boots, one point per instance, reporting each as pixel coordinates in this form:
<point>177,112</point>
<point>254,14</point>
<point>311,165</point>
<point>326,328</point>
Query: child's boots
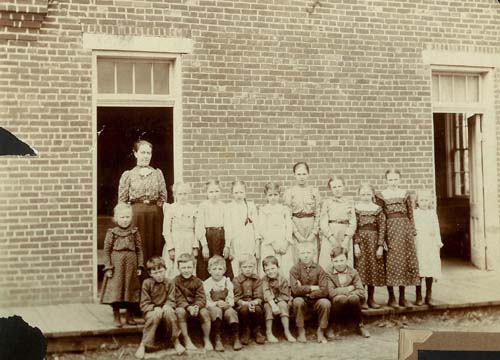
<point>129,318</point>
<point>392,298</point>
<point>418,296</point>
<point>259,337</point>
<point>235,328</point>
<point>371,301</point>
<point>428,291</point>
<point>245,334</point>
<point>402,299</point>
<point>116,317</point>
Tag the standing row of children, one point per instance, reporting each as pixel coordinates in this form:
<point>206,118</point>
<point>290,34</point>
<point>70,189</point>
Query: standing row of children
<point>377,233</point>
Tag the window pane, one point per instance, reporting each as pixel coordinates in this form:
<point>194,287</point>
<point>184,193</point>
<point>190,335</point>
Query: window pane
<point>435,88</point>
<point>466,184</point>
<point>456,190</point>
<point>459,88</point>
<point>143,78</point>
<point>161,80</point>
<point>446,88</point>
<point>105,77</point>
<point>473,88</point>
<point>124,77</point>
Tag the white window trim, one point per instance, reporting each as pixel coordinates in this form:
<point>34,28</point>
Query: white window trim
<point>146,48</point>
<point>485,65</point>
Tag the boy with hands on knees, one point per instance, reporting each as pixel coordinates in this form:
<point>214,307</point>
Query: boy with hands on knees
<point>277,298</point>
<point>309,284</point>
<point>346,292</point>
<point>157,304</point>
<point>190,301</point>
<point>248,298</point>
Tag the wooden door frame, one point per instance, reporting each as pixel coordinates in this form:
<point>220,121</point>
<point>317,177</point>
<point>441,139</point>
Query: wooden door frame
<point>485,65</point>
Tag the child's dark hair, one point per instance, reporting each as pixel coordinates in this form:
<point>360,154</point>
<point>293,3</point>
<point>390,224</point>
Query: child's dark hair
<point>392,171</point>
<point>155,263</point>
<point>214,182</point>
<point>184,258</point>
<point>238,182</point>
<point>216,260</point>
<point>299,164</point>
<point>337,251</point>
<point>335,178</point>
<point>272,186</point>
<point>269,260</point>
<point>138,144</point>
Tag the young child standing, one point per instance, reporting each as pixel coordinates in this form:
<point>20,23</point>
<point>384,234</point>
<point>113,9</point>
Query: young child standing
<point>428,243</point>
<point>248,299</point>
<point>179,228</point>
<point>401,256</point>
<point>337,223</point>
<point>210,230</point>
<point>275,228</point>
<point>369,242</point>
<point>304,202</point>
<point>277,298</point>
<point>240,225</point>
<point>346,292</point>
<point>190,301</point>
<point>309,283</point>
<point>123,265</point>
<point>219,291</point>
<point>157,305</point>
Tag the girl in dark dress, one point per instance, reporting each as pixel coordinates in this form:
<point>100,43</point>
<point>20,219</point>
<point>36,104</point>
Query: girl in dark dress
<point>123,265</point>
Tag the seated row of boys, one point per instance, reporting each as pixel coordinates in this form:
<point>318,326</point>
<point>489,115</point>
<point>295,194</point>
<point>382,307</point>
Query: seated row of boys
<point>248,300</point>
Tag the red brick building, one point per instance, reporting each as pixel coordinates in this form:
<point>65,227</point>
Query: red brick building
<point>244,89</point>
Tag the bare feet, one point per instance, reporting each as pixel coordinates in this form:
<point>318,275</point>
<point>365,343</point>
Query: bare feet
<point>271,338</point>
<point>140,352</point>
<point>189,344</point>
<point>179,349</point>
<point>208,345</point>
<point>321,336</point>
<point>290,337</point>
<point>302,335</point>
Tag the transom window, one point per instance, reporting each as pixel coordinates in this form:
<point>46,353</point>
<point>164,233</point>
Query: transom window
<point>133,76</point>
<point>455,88</point>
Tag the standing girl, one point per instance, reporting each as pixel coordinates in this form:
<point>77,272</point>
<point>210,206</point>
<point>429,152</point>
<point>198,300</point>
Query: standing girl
<point>428,243</point>
<point>123,265</point>
<point>337,223</point>
<point>144,188</point>
<point>275,228</point>
<point>240,224</point>
<point>210,231</point>
<point>304,202</point>
<point>369,241</point>
<point>401,256</point>
<point>179,229</point>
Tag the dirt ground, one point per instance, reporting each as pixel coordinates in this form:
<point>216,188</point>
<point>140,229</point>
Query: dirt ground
<point>382,345</point>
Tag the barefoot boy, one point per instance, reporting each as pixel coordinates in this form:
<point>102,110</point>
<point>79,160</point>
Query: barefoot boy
<point>190,301</point>
<point>157,305</point>
<point>309,284</point>
<point>277,298</point>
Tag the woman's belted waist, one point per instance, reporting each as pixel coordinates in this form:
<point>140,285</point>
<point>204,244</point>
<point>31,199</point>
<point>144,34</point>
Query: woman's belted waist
<point>301,215</point>
<point>344,222</point>
<point>371,227</point>
<point>214,228</point>
<point>146,202</point>
<point>396,215</point>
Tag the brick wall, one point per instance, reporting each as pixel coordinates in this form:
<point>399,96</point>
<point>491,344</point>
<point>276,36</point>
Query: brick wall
<point>341,85</point>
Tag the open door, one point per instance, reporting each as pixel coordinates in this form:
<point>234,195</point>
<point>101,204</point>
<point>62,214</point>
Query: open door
<point>477,218</point>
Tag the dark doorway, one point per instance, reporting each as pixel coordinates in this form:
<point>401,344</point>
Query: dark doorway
<point>118,128</point>
<point>452,183</point>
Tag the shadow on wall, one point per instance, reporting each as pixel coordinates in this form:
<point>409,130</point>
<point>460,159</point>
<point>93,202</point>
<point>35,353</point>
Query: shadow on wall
<point>11,145</point>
